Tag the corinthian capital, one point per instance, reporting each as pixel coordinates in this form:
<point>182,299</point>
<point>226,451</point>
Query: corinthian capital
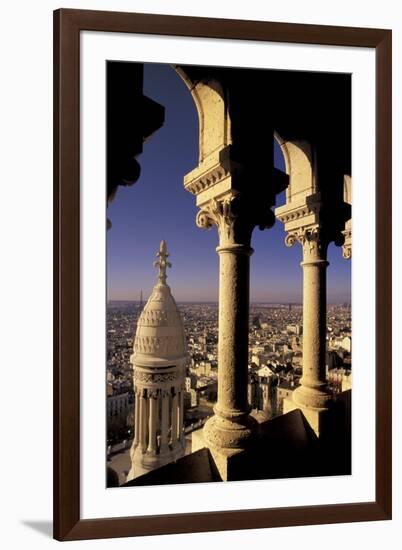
<point>347,245</point>
<point>219,213</point>
<point>314,241</point>
<point>235,217</point>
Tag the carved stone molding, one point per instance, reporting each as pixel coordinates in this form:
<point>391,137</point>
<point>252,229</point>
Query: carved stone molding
<point>298,213</point>
<point>161,345</point>
<point>158,318</point>
<point>208,179</point>
<point>156,378</point>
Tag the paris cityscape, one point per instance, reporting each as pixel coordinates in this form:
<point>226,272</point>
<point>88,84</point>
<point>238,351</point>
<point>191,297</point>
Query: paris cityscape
<point>253,381</point>
<point>274,371</point>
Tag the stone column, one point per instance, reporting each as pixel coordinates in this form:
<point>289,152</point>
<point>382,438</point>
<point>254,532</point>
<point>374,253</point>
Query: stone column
<point>174,419</point>
<point>136,419</point>
<point>235,185</point>
<point>313,390</point>
<point>165,422</point>
<point>181,415</point>
<point>312,396</point>
<point>231,428</point>
<point>313,215</point>
<point>143,421</point>
<point>152,423</point>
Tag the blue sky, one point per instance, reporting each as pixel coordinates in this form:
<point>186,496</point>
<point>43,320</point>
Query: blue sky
<point>158,207</point>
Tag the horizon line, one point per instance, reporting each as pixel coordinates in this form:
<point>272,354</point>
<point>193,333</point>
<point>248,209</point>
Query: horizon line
<point>287,303</point>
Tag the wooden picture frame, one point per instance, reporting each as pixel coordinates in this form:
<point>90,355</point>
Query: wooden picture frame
<point>68,524</point>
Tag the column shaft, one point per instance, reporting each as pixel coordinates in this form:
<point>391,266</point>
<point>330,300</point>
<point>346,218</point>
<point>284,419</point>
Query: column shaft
<point>314,323</point>
<point>181,416</point>
<point>137,419</point>
<point>234,276</point>
<point>232,427</point>
<point>313,393</point>
<point>174,419</point>
<point>143,422</point>
<point>152,424</point>
<point>165,422</point>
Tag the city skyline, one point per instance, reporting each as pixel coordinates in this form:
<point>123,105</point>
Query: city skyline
<point>158,207</point>
<point>274,366</point>
<point>216,302</point>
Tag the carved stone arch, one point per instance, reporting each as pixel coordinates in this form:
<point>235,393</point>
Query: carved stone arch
<point>214,120</point>
<point>299,166</point>
<point>347,188</point>
<point>347,232</point>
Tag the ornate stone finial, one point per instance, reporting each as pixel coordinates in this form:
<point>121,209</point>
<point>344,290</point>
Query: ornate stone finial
<point>162,263</point>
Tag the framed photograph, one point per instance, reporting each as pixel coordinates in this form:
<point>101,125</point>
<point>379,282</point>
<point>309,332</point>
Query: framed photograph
<point>205,300</point>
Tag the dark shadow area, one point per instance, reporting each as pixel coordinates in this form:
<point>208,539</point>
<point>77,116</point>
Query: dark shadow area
<point>193,468</point>
<point>287,447</point>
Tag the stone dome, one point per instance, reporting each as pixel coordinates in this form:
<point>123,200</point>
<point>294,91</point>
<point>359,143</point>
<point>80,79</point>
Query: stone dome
<point>160,338</point>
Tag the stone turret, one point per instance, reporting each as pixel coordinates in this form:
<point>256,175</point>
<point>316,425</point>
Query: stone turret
<point>159,360</point>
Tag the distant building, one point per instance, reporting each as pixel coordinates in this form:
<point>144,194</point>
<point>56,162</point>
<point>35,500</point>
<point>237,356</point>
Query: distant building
<point>295,329</point>
<point>256,323</point>
<point>260,359</point>
<point>117,405</point>
<point>333,360</point>
<point>194,398</point>
<point>190,382</point>
<point>262,390</point>
<point>340,378</point>
<point>347,382</point>
<point>341,343</point>
<point>284,390</point>
<point>346,343</point>
<point>265,372</point>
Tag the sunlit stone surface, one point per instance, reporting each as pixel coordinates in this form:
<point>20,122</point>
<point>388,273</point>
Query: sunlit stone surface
<point>159,361</point>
